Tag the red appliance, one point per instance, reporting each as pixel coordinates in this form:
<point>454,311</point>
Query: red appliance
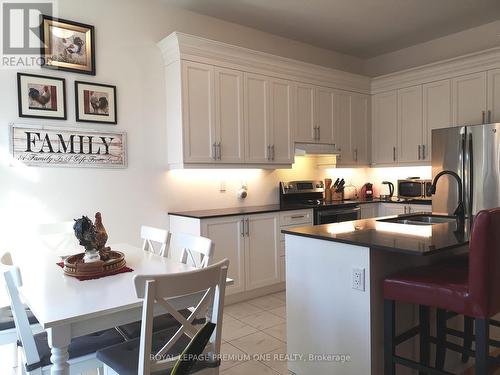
<point>367,192</point>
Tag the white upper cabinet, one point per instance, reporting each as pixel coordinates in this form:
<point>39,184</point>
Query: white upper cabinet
<point>198,113</point>
<point>437,111</point>
<point>305,124</point>
<point>410,138</point>
<point>342,126</point>
<point>360,128</point>
<point>493,114</point>
<point>257,132</point>
<point>325,115</point>
<point>385,125</point>
<point>469,99</point>
<point>229,121</point>
<point>282,117</point>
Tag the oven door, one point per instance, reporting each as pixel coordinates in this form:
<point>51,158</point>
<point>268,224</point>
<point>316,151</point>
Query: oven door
<point>336,215</point>
<point>410,189</point>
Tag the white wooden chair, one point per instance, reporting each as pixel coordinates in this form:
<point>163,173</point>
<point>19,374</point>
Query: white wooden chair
<point>195,251</point>
<point>58,236</point>
<point>35,347</point>
<point>155,352</point>
<point>155,240</point>
<point>8,334</point>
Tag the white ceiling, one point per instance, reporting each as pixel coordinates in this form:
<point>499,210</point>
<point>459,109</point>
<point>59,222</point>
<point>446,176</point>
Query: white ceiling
<point>362,28</point>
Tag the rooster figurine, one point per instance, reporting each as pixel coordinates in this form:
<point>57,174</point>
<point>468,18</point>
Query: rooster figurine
<point>93,237</point>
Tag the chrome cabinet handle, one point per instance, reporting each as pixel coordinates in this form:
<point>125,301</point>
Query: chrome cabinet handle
<point>214,151</point>
<point>268,152</point>
<point>219,147</point>
<point>419,152</point>
<point>483,117</point>
<point>274,154</point>
<point>356,154</point>
<point>394,153</point>
<point>489,116</point>
<point>297,216</point>
<point>423,152</point>
<point>242,227</point>
<point>405,208</point>
<point>316,133</point>
<point>319,133</point>
<point>248,227</point>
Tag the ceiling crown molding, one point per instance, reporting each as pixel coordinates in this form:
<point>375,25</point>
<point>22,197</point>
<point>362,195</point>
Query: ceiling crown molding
<point>445,69</point>
<point>180,46</point>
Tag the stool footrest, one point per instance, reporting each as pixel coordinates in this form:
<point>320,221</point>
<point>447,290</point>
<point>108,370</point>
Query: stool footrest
<point>406,335</point>
<point>417,366</point>
<point>457,333</point>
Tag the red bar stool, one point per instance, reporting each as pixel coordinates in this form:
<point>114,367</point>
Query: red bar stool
<point>472,291</point>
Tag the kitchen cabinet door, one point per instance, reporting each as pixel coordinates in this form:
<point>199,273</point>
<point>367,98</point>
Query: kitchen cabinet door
<point>410,124</point>
<point>493,96</point>
<point>257,119</point>
<point>437,111</point>
<point>388,209</point>
<point>305,124</point>
<point>342,126</point>
<point>369,210</point>
<point>198,113</point>
<point>229,115</point>
<point>412,208</point>
<point>228,235</point>
<point>469,99</point>
<point>325,108</point>
<point>385,124</point>
<point>282,118</point>
<point>262,251</point>
<point>360,128</point>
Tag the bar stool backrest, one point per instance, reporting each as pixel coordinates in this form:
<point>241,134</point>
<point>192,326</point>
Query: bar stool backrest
<point>484,263</point>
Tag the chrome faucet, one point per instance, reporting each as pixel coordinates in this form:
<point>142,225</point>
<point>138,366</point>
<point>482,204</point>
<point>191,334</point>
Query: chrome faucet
<point>460,210</point>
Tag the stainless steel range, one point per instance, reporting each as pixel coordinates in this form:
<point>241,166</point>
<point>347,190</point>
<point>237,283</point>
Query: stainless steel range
<point>309,194</point>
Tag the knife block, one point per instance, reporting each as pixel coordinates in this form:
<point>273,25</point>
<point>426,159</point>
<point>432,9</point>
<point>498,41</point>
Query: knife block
<point>337,196</point>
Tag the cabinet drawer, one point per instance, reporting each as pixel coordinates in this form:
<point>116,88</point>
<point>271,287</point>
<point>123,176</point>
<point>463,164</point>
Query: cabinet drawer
<point>296,217</point>
<point>284,227</point>
<point>282,268</point>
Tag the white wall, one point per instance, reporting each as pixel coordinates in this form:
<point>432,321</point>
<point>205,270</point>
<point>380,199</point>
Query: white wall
<point>450,46</point>
<point>127,56</point>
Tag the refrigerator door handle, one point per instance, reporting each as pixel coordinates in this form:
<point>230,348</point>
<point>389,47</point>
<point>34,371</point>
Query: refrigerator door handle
<point>471,175</point>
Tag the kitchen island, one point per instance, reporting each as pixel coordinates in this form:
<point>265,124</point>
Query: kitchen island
<point>334,275</point>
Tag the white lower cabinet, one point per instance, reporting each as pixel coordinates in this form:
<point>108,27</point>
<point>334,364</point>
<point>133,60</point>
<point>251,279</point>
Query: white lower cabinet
<point>387,209</point>
<point>369,210</point>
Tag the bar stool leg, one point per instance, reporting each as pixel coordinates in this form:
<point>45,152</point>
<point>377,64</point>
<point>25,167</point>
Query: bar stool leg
<point>468,334</point>
<point>441,338</point>
<point>425,332</point>
<point>482,346</point>
<point>389,334</point>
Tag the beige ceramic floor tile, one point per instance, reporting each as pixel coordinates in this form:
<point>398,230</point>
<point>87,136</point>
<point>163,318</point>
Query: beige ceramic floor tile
<point>277,361</point>
<point>240,310</point>
<point>280,295</point>
<point>278,331</point>
<point>280,311</point>
<point>257,343</point>
<point>267,302</point>
<point>231,356</point>
<point>263,320</point>
<point>235,329</point>
<point>250,368</point>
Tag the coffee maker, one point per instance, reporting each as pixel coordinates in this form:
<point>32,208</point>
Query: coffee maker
<point>367,191</point>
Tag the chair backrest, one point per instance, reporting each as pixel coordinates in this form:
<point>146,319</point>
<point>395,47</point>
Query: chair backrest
<point>195,251</point>
<point>155,240</point>
<point>13,280</point>
<point>57,236</point>
<point>209,283</point>
<point>484,263</point>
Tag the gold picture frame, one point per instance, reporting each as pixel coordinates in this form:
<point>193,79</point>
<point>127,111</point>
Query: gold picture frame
<point>67,45</point>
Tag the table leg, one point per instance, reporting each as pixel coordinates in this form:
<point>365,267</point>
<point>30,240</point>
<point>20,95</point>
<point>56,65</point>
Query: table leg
<point>59,339</point>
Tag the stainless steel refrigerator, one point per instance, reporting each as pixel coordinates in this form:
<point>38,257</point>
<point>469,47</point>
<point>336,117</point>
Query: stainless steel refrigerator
<point>473,152</point>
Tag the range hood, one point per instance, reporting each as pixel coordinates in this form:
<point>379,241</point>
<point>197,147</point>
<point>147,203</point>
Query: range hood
<point>325,154</point>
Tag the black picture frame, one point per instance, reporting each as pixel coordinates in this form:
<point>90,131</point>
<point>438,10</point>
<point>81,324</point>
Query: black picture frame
<point>21,108</point>
<point>45,49</point>
<point>113,108</point>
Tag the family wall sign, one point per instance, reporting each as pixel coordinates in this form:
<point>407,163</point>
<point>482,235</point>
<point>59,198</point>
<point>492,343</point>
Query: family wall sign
<point>68,147</point>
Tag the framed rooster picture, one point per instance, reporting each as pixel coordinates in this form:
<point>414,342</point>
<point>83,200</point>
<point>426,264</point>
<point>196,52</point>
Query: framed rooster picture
<point>67,45</point>
<point>95,102</point>
<point>41,96</point>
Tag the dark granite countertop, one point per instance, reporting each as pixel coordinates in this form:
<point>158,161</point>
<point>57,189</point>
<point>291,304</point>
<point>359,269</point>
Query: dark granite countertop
<point>401,238</point>
<point>234,211</point>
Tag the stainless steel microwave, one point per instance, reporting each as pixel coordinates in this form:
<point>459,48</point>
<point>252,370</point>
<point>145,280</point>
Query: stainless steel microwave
<point>414,189</point>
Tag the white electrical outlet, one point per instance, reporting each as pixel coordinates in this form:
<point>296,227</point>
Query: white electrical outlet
<point>358,279</point>
<point>222,187</point>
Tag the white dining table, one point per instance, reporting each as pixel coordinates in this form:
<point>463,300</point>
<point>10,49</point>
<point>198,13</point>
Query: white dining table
<point>67,307</point>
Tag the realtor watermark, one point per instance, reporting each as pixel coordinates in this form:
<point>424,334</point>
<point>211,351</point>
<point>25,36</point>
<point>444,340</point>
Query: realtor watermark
<point>20,32</point>
<point>279,357</point>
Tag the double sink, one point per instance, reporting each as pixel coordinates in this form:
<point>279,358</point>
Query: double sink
<point>421,219</point>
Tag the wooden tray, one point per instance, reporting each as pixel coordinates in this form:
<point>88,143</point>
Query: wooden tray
<point>74,265</point>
